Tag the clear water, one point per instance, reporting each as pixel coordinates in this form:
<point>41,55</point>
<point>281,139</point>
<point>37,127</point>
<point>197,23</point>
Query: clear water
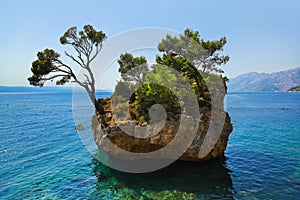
<point>42,156</point>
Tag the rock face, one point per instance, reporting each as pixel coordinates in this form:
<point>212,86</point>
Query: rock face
<point>161,135</point>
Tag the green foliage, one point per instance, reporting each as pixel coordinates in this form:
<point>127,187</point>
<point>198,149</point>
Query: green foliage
<point>142,99</point>
<point>186,69</point>
<point>83,41</point>
<point>204,55</point>
<point>191,75</point>
<point>295,89</point>
<point>133,69</point>
<point>191,57</point>
<point>150,94</point>
<point>48,66</point>
<point>122,89</point>
<point>44,65</point>
<point>63,80</point>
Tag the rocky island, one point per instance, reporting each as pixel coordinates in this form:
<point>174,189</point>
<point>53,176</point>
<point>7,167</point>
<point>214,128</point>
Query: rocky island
<point>137,145</point>
<point>159,89</point>
<point>172,109</point>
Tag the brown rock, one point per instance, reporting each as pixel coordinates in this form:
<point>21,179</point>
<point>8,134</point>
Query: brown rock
<point>153,141</point>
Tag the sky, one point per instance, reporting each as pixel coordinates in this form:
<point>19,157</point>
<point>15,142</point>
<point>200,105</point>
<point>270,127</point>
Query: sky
<point>262,36</point>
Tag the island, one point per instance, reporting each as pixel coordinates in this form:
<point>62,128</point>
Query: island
<point>174,107</point>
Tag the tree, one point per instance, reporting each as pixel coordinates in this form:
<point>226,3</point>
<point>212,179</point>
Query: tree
<point>48,66</point>
<point>133,69</point>
<point>186,69</point>
<point>204,55</point>
<point>195,58</point>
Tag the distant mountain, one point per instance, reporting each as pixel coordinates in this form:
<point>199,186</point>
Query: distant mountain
<point>258,82</point>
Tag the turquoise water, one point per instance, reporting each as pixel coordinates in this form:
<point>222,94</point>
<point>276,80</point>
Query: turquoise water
<point>42,156</point>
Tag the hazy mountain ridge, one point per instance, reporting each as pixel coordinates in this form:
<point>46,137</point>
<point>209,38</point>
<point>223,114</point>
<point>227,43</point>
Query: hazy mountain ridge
<point>258,82</point>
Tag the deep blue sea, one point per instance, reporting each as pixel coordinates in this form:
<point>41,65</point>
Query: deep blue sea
<point>42,156</point>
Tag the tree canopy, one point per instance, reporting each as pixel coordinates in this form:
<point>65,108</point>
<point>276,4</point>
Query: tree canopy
<point>87,44</point>
<point>133,69</point>
<point>202,54</point>
<point>195,59</point>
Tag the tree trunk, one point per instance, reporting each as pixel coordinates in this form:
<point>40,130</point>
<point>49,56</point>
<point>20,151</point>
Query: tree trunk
<point>98,107</point>
<point>100,114</point>
<point>200,88</point>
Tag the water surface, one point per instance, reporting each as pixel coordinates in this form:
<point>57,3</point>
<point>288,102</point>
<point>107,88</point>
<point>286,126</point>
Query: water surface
<point>42,156</point>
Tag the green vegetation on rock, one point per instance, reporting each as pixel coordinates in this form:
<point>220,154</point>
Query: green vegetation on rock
<point>190,56</point>
<point>294,89</point>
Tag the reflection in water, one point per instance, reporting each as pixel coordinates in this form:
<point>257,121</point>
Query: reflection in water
<point>180,178</point>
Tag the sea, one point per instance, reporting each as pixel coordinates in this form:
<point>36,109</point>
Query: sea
<point>43,156</point>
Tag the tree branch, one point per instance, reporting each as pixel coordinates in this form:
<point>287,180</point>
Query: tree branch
<point>75,60</point>
<point>98,49</point>
<point>87,78</point>
<point>52,77</point>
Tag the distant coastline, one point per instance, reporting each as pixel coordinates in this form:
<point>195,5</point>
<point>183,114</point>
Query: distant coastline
<point>280,81</point>
<point>59,89</point>
<point>294,89</point>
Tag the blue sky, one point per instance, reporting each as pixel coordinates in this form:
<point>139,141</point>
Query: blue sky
<point>262,36</point>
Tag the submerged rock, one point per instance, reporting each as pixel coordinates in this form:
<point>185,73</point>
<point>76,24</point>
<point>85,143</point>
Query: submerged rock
<point>156,137</point>
<point>79,127</point>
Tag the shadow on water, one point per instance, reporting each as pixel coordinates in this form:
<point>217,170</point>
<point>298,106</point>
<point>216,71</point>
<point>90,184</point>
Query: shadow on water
<point>199,179</point>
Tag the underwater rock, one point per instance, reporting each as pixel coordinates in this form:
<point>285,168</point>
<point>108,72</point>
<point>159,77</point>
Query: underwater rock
<point>79,127</point>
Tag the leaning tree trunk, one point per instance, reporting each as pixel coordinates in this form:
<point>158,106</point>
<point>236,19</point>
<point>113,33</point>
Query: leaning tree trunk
<point>100,112</point>
<point>98,107</point>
